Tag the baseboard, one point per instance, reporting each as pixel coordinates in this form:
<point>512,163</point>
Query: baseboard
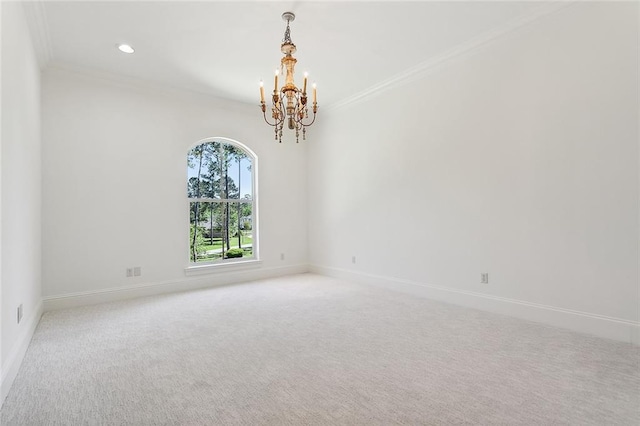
<point>84,298</point>
<point>14,360</point>
<point>583,322</point>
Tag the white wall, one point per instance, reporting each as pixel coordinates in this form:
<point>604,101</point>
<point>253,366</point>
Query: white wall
<point>520,159</point>
<point>21,191</point>
<point>114,192</point>
<point>1,310</point>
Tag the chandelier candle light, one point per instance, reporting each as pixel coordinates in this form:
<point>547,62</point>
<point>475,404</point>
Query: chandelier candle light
<point>289,102</point>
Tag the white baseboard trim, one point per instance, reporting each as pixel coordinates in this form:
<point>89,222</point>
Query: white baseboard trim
<point>16,355</point>
<point>72,300</point>
<point>583,322</point>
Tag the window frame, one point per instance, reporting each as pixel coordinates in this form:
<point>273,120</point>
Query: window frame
<point>224,265</point>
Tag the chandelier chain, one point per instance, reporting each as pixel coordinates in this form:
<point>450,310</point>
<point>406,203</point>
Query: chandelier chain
<point>287,35</point>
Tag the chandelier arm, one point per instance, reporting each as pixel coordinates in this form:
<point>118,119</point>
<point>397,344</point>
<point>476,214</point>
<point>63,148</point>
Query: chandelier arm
<point>274,124</point>
<point>300,108</point>
<point>312,121</point>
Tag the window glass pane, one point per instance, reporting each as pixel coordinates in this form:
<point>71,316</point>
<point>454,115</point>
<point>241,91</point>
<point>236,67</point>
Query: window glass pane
<point>205,236</point>
<point>201,167</point>
<point>237,173</point>
<point>241,229</point>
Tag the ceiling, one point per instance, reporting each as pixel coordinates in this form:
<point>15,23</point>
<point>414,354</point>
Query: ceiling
<point>225,48</point>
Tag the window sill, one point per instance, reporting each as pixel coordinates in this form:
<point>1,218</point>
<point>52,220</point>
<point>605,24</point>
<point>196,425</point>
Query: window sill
<point>222,267</point>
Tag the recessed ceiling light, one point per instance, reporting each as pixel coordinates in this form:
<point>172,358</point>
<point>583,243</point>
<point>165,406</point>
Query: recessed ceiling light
<point>125,48</point>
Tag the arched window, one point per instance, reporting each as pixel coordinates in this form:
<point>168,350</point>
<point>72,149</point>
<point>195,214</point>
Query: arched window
<point>221,186</point>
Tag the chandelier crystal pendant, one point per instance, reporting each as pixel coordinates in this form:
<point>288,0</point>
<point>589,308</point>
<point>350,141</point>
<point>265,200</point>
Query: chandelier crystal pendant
<point>289,103</point>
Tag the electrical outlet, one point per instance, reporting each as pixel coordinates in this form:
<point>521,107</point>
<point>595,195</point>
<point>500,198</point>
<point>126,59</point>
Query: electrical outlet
<point>129,272</point>
<point>137,271</point>
<point>19,313</point>
<point>281,256</point>
<point>353,259</point>
<point>484,278</point>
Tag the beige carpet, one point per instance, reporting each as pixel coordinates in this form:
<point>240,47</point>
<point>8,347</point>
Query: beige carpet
<point>309,350</point>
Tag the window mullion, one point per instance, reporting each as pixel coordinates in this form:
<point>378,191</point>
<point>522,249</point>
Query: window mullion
<point>221,200</point>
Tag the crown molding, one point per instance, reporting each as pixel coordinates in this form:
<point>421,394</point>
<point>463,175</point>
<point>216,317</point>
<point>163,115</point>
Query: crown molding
<point>148,87</point>
<point>462,49</point>
<point>39,29</point>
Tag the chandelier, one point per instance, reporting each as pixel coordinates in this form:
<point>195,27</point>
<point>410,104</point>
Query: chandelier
<point>289,103</point>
